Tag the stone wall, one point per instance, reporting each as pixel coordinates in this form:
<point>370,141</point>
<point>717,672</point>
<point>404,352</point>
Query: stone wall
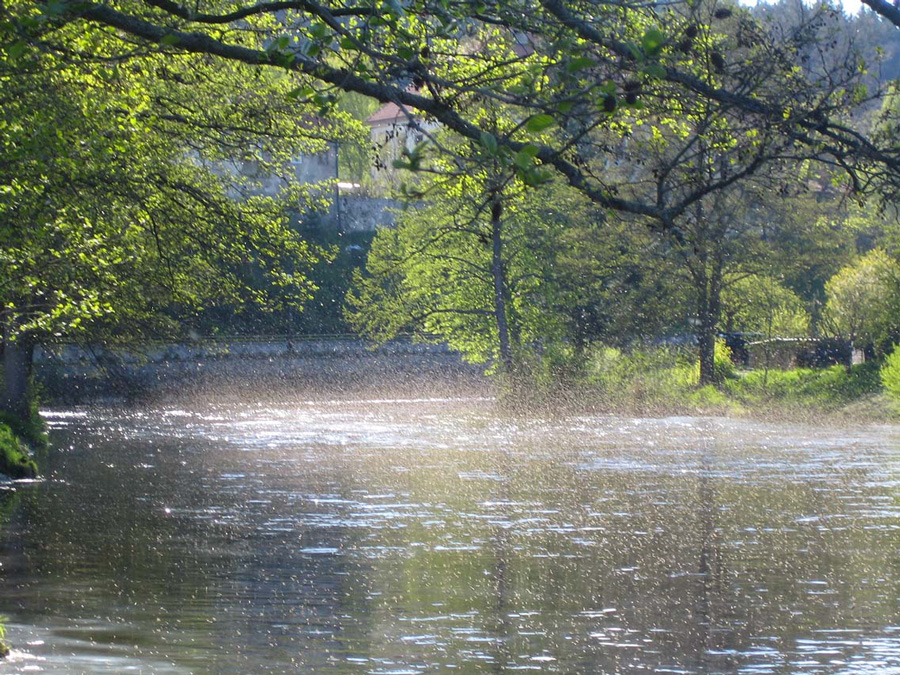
<point>71,374</point>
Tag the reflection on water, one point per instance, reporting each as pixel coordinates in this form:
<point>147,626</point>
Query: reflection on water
<point>419,536</point>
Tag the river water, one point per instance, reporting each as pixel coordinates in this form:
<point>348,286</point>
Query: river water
<point>433,535</point>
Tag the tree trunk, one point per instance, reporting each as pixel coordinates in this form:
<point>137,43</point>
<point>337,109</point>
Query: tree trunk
<point>708,311</point>
<point>499,276</point>
<point>18,353</point>
<point>706,341</point>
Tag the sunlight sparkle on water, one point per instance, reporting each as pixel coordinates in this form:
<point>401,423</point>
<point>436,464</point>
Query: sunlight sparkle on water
<point>428,535</point>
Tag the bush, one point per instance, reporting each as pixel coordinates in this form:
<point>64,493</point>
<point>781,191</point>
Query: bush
<point>31,430</point>
<point>723,365</point>
<point>557,365</point>
<point>709,397</point>
<point>653,376</point>
<point>15,461</point>
<point>890,374</point>
<point>666,379</point>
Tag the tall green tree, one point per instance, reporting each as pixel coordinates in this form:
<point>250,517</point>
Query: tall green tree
<point>122,212</point>
<point>761,304</point>
<point>862,302</point>
<point>473,266</point>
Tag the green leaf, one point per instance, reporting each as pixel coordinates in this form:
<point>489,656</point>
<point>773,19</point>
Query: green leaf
<point>489,141</point>
<point>16,49</point>
<point>535,177</point>
<point>608,87</point>
<point>530,150</point>
<point>538,123</point>
<point>652,42</point>
<point>580,63</point>
<point>635,51</point>
<point>523,160</point>
<point>655,70</point>
<point>169,40</point>
<point>55,8</point>
<point>300,92</point>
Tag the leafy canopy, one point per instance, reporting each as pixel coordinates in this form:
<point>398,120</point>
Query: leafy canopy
<point>124,194</point>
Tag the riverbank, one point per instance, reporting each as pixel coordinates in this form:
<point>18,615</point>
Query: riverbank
<point>661,383</point>
<point>15,458</point>
<point>652,382</point>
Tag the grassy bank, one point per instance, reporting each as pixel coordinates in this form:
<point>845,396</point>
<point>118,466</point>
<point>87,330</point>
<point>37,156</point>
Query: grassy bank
<point>4,650</point>
<point>665,381</point>
<point>15,459</point>
<point>831,390</point>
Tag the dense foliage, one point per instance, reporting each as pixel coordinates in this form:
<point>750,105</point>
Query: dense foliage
<point>585,173</point>
<point>130,202</point>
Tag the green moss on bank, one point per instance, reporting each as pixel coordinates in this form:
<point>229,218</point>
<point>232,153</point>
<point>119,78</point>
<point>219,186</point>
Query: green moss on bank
<point>15,460</point>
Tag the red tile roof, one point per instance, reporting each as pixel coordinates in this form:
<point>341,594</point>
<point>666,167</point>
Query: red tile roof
<point>389,112</point>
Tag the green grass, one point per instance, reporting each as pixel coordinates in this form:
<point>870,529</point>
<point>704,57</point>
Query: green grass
<point>827,388</point>
<point>15,461</point>
<point>4,650</point>
<point>32,430</point>
<point>665,380</point>
<point>652,381</point>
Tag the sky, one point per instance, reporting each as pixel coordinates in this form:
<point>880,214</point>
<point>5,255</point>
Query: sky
<point>850,6</point>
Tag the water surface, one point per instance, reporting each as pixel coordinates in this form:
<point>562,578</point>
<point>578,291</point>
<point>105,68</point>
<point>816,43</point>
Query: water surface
<point>414,536</point>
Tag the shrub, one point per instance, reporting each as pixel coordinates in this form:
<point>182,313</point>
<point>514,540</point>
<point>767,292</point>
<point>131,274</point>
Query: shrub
<point>709,397</point>
<point>15,461</point>
<point>723,365</point>
<point>557,365</point>
<point>890,374</point>
<point>654,376</point>
<point>32,430</point>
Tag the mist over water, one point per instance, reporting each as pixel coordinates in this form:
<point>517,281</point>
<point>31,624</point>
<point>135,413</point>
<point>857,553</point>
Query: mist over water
<point>407,534</point>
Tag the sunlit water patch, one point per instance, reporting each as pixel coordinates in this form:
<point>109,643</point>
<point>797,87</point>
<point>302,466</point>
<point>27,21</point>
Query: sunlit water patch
<point>424,535</point>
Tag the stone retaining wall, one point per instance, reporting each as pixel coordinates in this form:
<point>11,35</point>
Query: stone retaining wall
<point>72,374</point>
